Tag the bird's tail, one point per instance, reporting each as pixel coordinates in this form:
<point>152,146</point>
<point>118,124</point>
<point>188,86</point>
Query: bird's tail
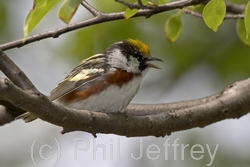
<point>27,117</point>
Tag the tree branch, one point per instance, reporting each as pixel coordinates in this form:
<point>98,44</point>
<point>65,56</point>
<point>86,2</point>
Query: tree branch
<point>99,18</point>
<point>103,17</point>
<point>235,8</point>
<point>232,102</point>
<point>90,8</point>
<point>15,74</point>
<point>227,16</point>
<point>20,95</point>
<point>8,112</point>
<point>135,6</point>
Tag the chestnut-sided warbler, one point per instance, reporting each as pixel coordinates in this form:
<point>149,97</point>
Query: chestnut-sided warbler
<point>104,82</point>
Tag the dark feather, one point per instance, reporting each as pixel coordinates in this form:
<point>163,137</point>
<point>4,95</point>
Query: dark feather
<point>67,85</point>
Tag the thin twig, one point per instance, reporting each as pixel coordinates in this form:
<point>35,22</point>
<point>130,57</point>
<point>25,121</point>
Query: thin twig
<point>129,5</point>
<point>140,3</point>
<point>227,16</point>
<point>102,17</point>
<point>234,16</point>
<point>99,19</point>
<point>134,5</point>
<point>193,13</point>
<point>90,8</point>
<point>235,8</point>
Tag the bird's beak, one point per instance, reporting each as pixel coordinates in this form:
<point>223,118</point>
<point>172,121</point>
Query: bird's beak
<point>153,59</point>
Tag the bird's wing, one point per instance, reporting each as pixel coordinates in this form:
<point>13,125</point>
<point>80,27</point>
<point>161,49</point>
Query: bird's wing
<point>89,69</point>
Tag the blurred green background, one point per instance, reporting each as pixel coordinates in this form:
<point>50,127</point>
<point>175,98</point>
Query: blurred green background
<point>198,64</point>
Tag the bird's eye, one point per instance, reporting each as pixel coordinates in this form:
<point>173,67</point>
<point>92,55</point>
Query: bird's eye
<point>138,56</point>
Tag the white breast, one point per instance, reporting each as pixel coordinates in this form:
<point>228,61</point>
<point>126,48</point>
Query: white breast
<point>112,99</point>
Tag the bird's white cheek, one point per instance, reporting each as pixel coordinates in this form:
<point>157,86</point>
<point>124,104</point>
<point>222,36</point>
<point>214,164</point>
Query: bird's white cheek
<point>133,65</point>
<point>117,59</point>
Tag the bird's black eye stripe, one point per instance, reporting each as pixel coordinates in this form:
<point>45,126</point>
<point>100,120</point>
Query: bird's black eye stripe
<point>129,50</point>
<point>138,56</point>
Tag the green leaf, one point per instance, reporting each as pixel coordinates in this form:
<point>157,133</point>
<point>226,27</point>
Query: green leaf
<point>198,8</point>
<point>40,9</point>
<point>241,31</point>
<point>247,19</point>
<point>173,27</point>
<point>130,13</point>
<point>214,13</point>
<point>68,10</point>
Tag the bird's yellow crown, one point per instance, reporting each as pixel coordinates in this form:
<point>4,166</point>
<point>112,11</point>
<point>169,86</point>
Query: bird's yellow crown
<point>142,47</point>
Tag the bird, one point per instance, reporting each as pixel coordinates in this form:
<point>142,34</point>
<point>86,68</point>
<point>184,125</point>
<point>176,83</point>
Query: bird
<point>104,82</point>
